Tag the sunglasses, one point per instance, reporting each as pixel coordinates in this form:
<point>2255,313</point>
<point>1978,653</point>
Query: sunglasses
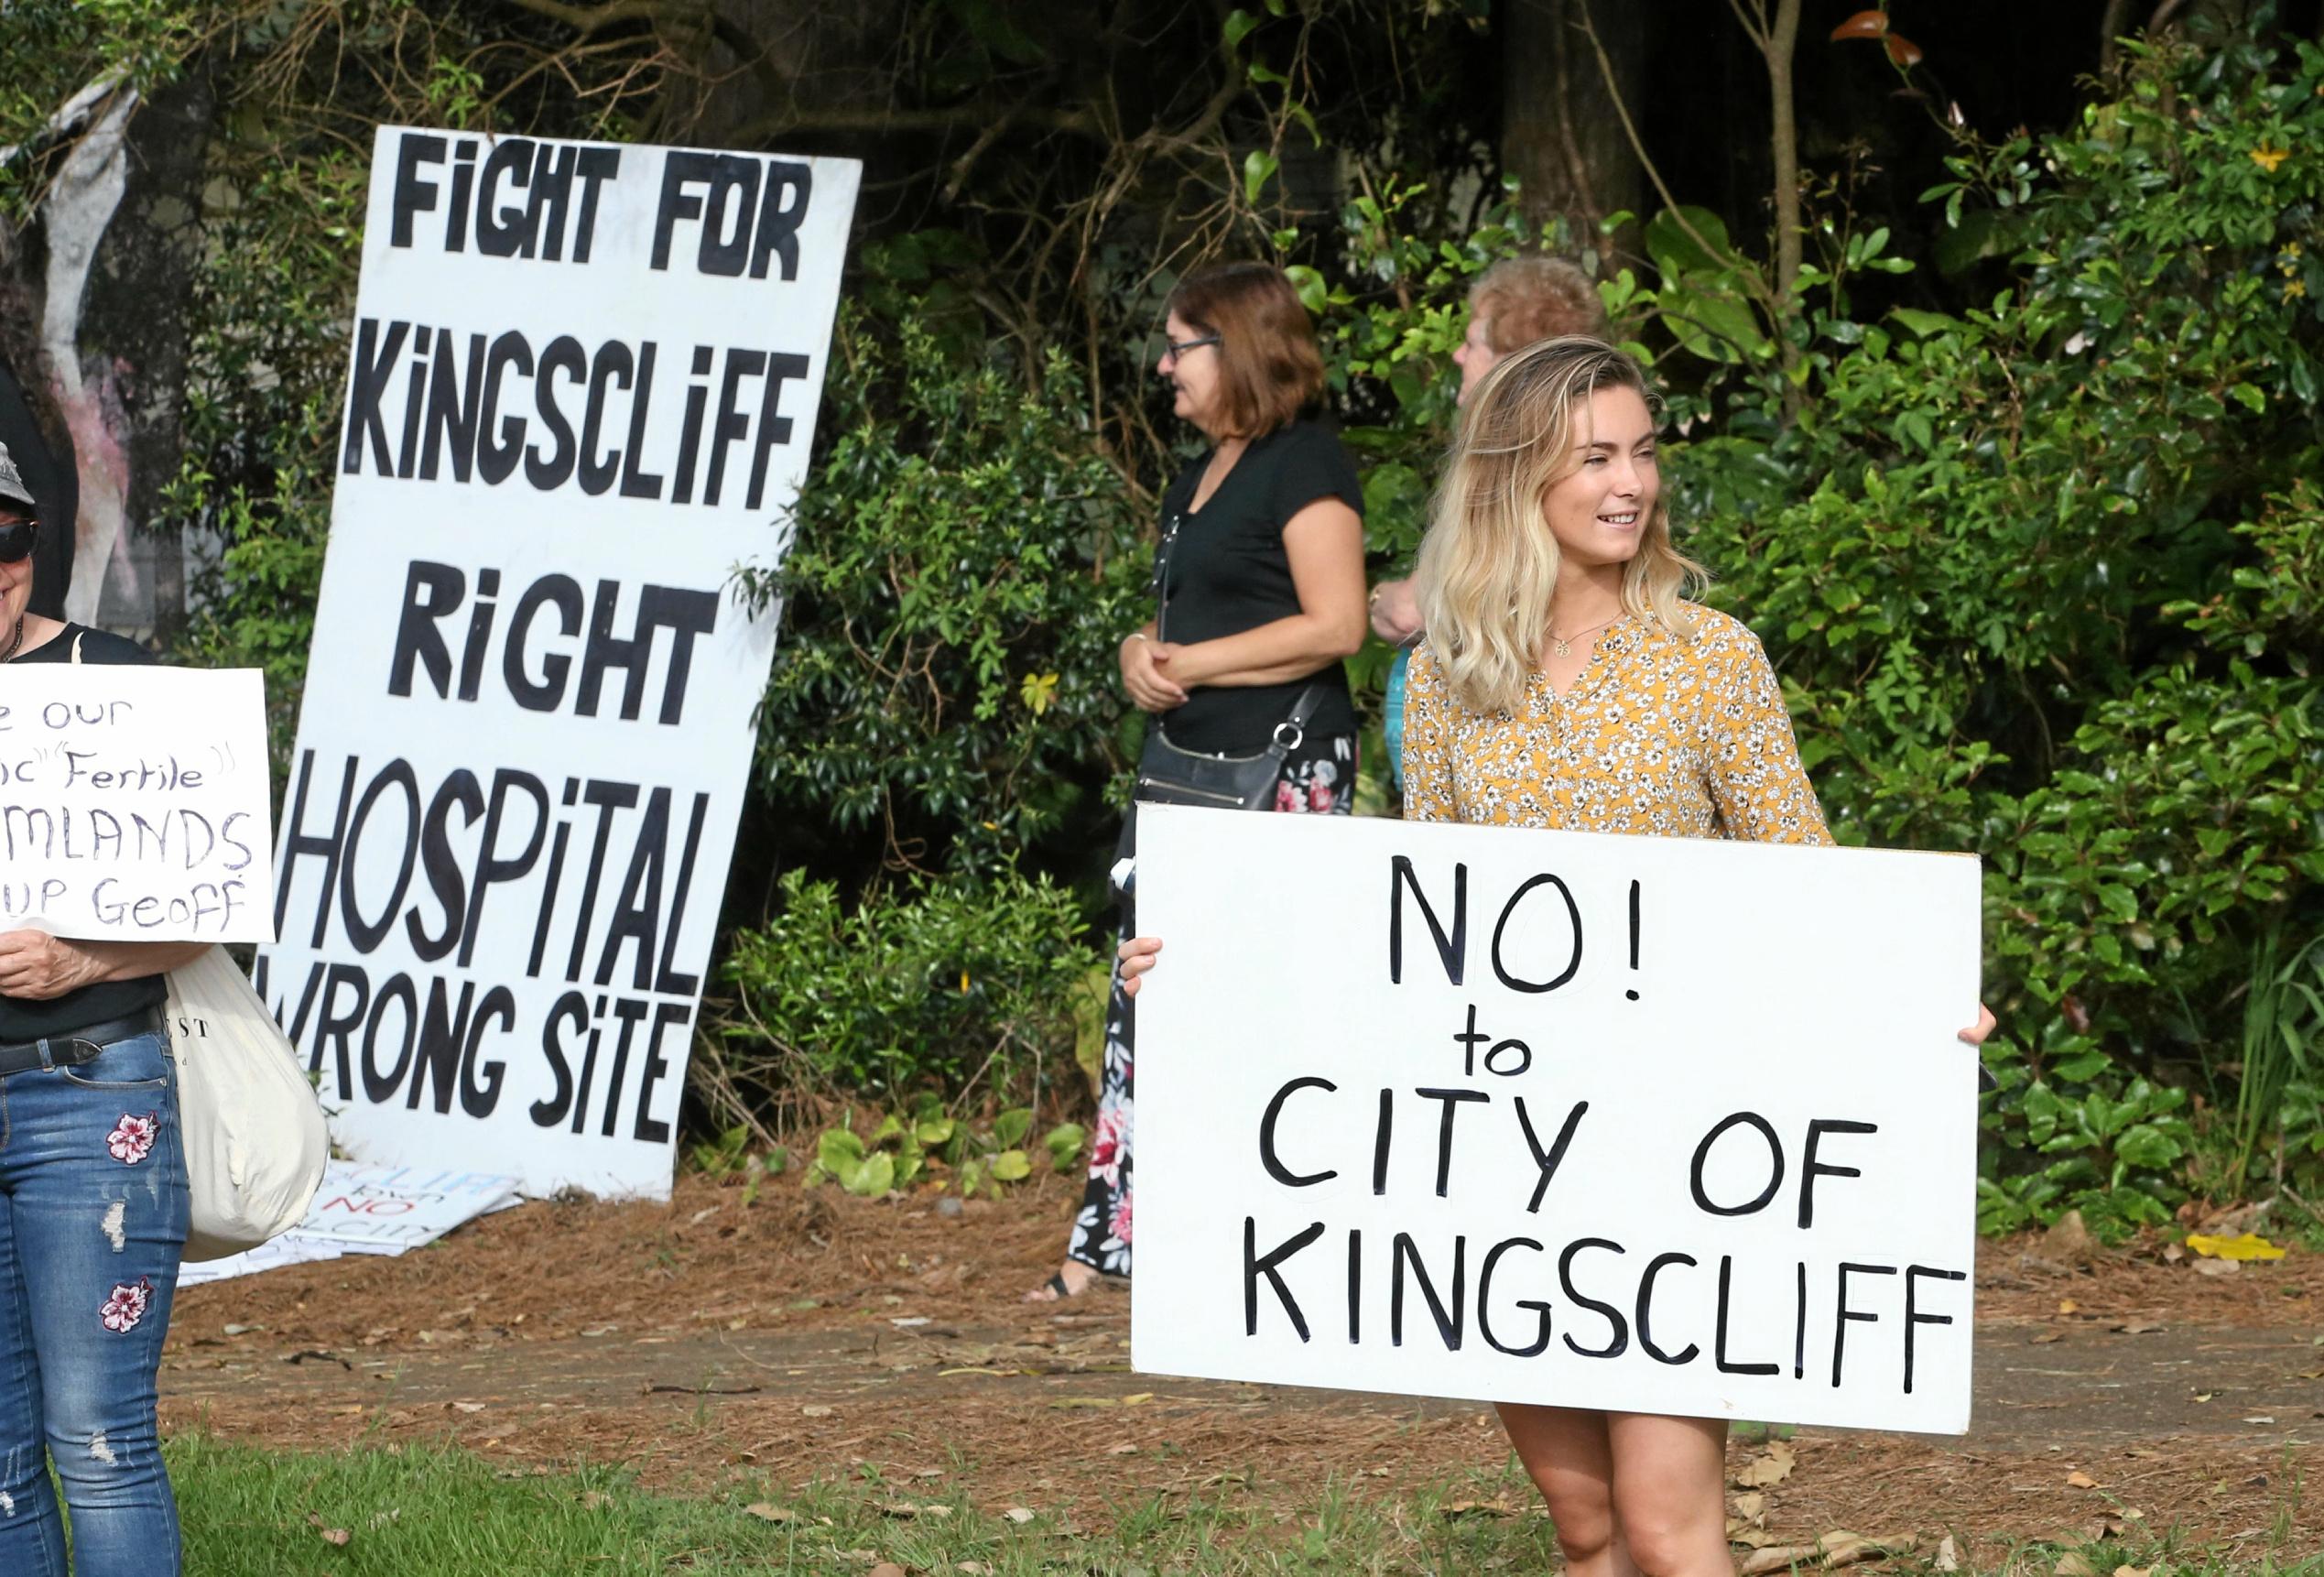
<point>16,540</point>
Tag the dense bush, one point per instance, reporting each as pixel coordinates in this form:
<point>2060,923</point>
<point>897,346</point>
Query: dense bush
<point>964,563</point>
<point>957,983</point>
<point>2042,578</point>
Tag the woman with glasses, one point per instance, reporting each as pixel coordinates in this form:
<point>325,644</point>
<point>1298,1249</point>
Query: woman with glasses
<point>1259,592</point>
<point>92,1191</point>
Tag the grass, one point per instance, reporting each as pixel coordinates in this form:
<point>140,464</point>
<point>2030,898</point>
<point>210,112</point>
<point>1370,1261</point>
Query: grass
<point>443,1512</point>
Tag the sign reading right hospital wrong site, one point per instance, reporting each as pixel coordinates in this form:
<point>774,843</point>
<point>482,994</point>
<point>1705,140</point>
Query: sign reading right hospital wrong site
<point>582,384</point>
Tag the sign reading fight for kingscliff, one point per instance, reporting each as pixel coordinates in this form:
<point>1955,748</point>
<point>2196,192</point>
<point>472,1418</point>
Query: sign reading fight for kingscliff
<point>133,802</point>
<point>584,380</point>
<point>1648,1123</point>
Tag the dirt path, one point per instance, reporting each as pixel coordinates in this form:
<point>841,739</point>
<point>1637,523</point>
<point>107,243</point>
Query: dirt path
<point>809,1334</point>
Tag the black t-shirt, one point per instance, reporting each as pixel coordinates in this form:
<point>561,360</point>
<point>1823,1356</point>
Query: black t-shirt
<point>1229,572</point>
<point>21,1018</point>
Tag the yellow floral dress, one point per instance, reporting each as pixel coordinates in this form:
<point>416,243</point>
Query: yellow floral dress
<point>1659,735</point>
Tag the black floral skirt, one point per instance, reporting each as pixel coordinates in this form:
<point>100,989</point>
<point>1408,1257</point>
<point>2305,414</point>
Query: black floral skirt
<point>1317,779</point>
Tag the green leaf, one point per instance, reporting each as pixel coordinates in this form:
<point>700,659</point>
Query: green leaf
<point>1064,1143</point>
<point>1671,240</point>
<point>2148,1148</point>
<point>1239,24</point>
<point>1011,1166</point>
<point>871,1177</point>
<point>1011,1127</point>
<point>839,1152</point>
<point>1310,286</point>
<point>1924,324</point>
<point>1258,168</point>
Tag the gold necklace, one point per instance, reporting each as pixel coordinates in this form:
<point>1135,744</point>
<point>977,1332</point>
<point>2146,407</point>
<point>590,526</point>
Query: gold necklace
<point>1563,645</point>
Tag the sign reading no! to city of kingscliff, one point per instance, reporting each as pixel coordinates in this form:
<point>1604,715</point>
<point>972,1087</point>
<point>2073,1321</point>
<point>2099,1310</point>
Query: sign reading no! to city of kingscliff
<point>582,384</point>
<point>1654,1124</point>
<point>133,802</point>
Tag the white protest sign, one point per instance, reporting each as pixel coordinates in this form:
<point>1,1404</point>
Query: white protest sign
<point>365,1208</point>
<point>583,384</point>
<point>371,1210</point>
<point>1657,1125</point>
<point>133,802</point>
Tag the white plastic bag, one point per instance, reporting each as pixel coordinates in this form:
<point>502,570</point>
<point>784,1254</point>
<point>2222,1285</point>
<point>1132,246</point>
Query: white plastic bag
<point>253,1132</point>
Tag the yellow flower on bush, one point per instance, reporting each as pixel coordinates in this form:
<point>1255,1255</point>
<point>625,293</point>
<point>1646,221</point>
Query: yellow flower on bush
<point>2267,158</point>
<point>1039,689</point>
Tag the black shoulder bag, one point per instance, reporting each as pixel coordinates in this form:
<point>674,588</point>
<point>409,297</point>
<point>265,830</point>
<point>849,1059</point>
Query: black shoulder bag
<point>1171,776</point>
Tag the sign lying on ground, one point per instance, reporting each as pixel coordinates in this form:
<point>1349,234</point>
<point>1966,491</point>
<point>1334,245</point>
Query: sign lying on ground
<point>365,1209</point>
<point>133,802</point>
<point>1649,1124</point>
<point>583,383</point>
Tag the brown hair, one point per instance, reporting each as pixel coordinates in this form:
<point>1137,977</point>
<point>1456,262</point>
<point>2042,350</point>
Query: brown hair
<point>1269,365</point>
<point>1523,299</point>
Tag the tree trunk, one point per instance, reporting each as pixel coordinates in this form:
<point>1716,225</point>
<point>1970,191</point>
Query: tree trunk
<point>108,268</point>
<point>1781,37</point>
<point>1560,134</point>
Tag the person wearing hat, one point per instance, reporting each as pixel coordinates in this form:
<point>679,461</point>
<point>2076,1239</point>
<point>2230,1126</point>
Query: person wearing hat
<point>93,1186</point>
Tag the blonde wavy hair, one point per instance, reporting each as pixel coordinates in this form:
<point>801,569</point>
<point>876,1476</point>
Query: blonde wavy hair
<point>1489,563</point>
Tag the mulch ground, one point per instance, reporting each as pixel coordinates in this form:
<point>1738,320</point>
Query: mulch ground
<point>702,1339</point>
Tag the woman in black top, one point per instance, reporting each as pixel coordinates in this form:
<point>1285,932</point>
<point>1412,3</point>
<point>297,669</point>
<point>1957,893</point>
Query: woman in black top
<point>1259,581</point>
<point>92,1192</point>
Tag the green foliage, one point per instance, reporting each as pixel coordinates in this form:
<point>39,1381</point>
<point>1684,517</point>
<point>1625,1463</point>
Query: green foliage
<point>929,1147</point>
<point>964,567</point>
<point>262,411</point>
<point>2279,1095</point>
<point>2042,579</point>
<point>953,983</point>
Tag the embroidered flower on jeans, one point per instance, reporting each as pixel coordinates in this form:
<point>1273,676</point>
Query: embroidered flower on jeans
<point>132,1138</point>
<point>128,1305</point>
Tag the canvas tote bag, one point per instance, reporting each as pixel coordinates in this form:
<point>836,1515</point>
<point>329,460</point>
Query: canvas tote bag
<point>254,1132</point>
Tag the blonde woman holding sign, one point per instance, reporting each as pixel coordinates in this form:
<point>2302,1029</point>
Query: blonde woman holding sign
<point>1567,683</point>
<point>93,1205</point>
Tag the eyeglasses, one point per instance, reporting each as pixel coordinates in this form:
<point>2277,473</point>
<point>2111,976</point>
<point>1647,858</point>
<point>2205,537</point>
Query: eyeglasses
<point>16,540</point>
<point>1173,349</point>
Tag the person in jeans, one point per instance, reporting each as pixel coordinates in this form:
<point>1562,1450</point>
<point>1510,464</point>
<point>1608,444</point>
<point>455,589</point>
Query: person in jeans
<point>92,1191</point>
<point>1259,581</point>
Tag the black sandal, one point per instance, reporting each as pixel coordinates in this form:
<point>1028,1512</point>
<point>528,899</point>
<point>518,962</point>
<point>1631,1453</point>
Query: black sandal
<point>1057,1288</point>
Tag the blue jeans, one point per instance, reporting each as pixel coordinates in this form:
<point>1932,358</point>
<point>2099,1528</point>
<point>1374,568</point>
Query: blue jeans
<point>92,1215</point>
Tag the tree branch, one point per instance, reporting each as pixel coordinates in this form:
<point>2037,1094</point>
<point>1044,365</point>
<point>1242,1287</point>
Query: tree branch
<point>588,20</point>
<point>1778,48</point>
<point>2110,29</point>
<point>1662,190</point>
<point>981,112</point>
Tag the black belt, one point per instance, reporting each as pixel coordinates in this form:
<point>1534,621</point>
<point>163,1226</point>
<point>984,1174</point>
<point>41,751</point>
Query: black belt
<point>80,1046</point>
